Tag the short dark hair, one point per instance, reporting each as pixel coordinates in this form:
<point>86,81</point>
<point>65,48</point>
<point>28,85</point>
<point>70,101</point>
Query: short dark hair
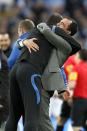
<point>83,54</point>
<point>27,24</point>
<point>54,19</point>
<point>73,27</point>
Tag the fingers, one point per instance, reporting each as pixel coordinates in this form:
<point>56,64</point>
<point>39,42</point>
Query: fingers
<point>34,45</point>
<point>29,50</point>
<point>34,39</point>
<point>34,49</point>
<point>31,45</point>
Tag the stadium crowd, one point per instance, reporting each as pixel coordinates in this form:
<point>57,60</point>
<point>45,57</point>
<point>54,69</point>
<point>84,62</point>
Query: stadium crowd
<point>11,12</point>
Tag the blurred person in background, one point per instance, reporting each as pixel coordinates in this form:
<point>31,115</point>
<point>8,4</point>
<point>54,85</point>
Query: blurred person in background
<point>4,89</point>
<point>67,104</point>
<point>6,43</point>
<point>78,83</point>
<point>69,65</point>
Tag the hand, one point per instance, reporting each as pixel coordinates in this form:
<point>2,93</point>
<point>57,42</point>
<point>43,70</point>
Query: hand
<point>42,26</point>
<point>31,45</point>
<point>67,94</point>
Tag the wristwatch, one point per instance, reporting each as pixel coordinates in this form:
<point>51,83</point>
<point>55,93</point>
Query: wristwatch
<point>21,44</point>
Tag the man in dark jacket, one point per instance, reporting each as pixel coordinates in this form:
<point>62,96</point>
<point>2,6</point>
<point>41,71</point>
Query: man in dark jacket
<point>4,88</point>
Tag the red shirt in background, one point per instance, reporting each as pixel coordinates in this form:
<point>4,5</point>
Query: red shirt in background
<point>69,64</point>
<point>79,74</point>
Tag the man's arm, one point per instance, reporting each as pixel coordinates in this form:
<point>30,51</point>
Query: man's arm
<point>13,56</point>
<point>54,39</point>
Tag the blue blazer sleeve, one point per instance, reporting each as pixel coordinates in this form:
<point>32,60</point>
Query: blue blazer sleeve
<point>64,76</point>
<point>13,56</point>
<point>15,51</point>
